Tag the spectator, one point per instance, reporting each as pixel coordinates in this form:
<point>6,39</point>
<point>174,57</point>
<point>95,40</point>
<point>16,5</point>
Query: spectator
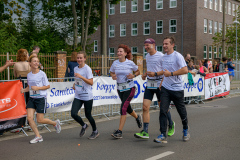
<point>190,67</point>
<point>202,69</point>
<point>187,58</point>
<point>205,63</point>
<point>231,68</point>
<point>223,65</point>
<point>215,66</point>
<point>71,65</point>
<point>211,70</point>
<point>7,64</point>
<point>36,49</point>
<point>36,55</point>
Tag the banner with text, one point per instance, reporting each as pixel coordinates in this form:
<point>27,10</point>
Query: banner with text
<point>217,85</point>
<point>197,89</point>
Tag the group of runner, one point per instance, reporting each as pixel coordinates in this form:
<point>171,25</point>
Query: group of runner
<point>163,79</point>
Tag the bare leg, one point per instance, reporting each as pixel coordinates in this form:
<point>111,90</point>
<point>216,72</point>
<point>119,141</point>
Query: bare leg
<point>146,106</point>
<point>41,119</point>
<point>30,115</point>
<point>122,122</point>
<point>134,114</point>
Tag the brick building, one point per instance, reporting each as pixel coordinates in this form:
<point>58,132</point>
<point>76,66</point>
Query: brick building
<point>192,22</point>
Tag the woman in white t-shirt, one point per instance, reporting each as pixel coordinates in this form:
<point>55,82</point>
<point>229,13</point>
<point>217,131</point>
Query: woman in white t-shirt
<point>83,95</point>
<point>122,71</point>
<point>37,87</point>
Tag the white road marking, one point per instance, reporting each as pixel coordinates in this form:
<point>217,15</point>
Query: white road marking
<point>160,155</point>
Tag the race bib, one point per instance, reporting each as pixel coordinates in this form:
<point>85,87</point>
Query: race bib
<point>152,84</point>
<point>123,87</point>
<point>33,93</point>
<point>78,82</point>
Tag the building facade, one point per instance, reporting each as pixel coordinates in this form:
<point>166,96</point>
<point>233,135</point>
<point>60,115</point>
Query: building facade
<point>193,23</point>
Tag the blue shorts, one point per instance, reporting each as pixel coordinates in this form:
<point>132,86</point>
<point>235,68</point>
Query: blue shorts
<point>231,73</point>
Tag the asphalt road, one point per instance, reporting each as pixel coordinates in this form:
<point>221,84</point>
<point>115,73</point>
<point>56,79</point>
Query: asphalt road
<point>214,129</point>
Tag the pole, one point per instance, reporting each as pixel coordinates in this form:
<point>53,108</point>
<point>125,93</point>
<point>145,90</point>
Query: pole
<point>223,31</point>
<point>236,43</point>
<point>8,71</point>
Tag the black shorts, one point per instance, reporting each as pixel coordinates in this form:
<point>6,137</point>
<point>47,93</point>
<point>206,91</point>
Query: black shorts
<point>39,104</point>
<point>149,93</point>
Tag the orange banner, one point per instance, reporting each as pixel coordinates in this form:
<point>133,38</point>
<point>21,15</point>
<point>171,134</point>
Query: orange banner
<point>12,103</point>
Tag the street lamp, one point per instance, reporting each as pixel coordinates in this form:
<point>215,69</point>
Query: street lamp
<point>236,22</point>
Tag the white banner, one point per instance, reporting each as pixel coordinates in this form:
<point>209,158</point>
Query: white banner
<point>196,89</point>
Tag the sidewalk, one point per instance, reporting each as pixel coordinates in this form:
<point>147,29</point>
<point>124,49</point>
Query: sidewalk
<point>235,84</point>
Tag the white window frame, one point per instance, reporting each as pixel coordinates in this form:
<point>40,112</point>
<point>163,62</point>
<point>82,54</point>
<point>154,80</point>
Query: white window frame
<point>160,2</point>
<point>123,6</point>
<point>171,26</point>
<point>95,46</point>
<point>111,9</point>
<point>205,4</point>
<point>144,53</point>
<point>111,31</point>
<point>170,4</point>
<point>210,52</point>
<point>210,23</point>
<point>215,27</point>
<point>159,27</point>
<point>111,54</point>
<point>216,5</point>
<point>146,28</point>
<point>229,8</point>
<point>145,4</point>
<point>133,52</point>
<point>134,5</point>
<point>220,6</point>
<point>210,4</point>
<point>219,27</point>
<point>159,50</point>
<point>134,29</point>
<point>205,25</point>
<point>205,52</point>
<point>122,29</point>
<point>215,52</point>
<point>233,9</point>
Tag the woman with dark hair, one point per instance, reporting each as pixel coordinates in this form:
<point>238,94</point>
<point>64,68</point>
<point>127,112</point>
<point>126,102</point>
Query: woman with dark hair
<point>205,63</point>
<point>122,71</point>
<point>71,65</point>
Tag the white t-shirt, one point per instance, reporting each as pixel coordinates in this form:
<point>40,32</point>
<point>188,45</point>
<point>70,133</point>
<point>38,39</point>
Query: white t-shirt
<point>83,91</point>
<point>39,79</point>
<point>122,69</point>
<point>153,65</point>
<point>172,63</point>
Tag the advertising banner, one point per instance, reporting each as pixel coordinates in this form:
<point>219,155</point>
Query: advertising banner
<point>217,85</point>
<point>197,89</point>
<point>12,105</point>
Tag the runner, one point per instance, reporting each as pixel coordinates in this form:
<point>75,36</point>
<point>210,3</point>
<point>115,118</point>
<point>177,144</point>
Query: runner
<point>121,70</point>
<point>153,81</point>
<point>173,65</point>
<point>83,95</point>
<point>37,87</point>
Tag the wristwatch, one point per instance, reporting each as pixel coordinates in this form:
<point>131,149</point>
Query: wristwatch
<point>171,73</point>
<point>134,75</point>
<point>155,73</point>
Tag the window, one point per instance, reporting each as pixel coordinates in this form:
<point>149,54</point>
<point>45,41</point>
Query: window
<point>216,5</point>
<point>220,52</point>
<point>134,50</point>
<point>111,30</point>
<point>95,45</point>
<point>205,25</point>
<point>220,27</point>
<point>111,9</point>
<point>134,29</point>
<point>134,5</point>
<point>229,8</point>
<point>233,9</point>
<point>210,52</point>
<point>122,30</point>
<point>215,27</point>
<point>122,6</point>
<point>205,52</point>
<point>159,48</point>
<point>159,27</point>
<point>210,27</point>
<point>215,52</point>
<point>146,29</point>
<point>173,3</point>
<point>146,5</point>
<point>210,4</point>
<point>111,53</point>
<point>159,4</point>
<point>205,3</point>
<point>220,6</point>
<point>172,26</point>
<point>144,53</point>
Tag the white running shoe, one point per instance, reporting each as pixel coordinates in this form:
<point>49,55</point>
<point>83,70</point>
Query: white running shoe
<point>58,126</point>
<point>36,140</point>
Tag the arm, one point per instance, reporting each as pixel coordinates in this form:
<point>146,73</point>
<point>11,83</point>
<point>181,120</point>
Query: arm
<point>88,81</point>
<point>25,89</point>
<point>113,75</point>
<point>8,63</point>
<point>181,71</point>
<point>206,71</point>
<point>131,76</point>
<point>194,73</point>
<point>152,74</point>
<point>36,88</point>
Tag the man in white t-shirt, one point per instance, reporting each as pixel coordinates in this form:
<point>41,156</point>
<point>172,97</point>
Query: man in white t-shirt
<point>173,65</point>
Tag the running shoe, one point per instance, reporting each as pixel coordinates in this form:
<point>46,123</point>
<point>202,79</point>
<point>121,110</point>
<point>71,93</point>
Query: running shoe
<point>139,121</point>
<point>171,130</point>
<point>186,135</point>
<point>117,134</point>
<point>93,135</point>
<point>36,140</point>
<point>160,139</point>
<point>142,134</point>
<point>83,131</point>
<point>58,126</point>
